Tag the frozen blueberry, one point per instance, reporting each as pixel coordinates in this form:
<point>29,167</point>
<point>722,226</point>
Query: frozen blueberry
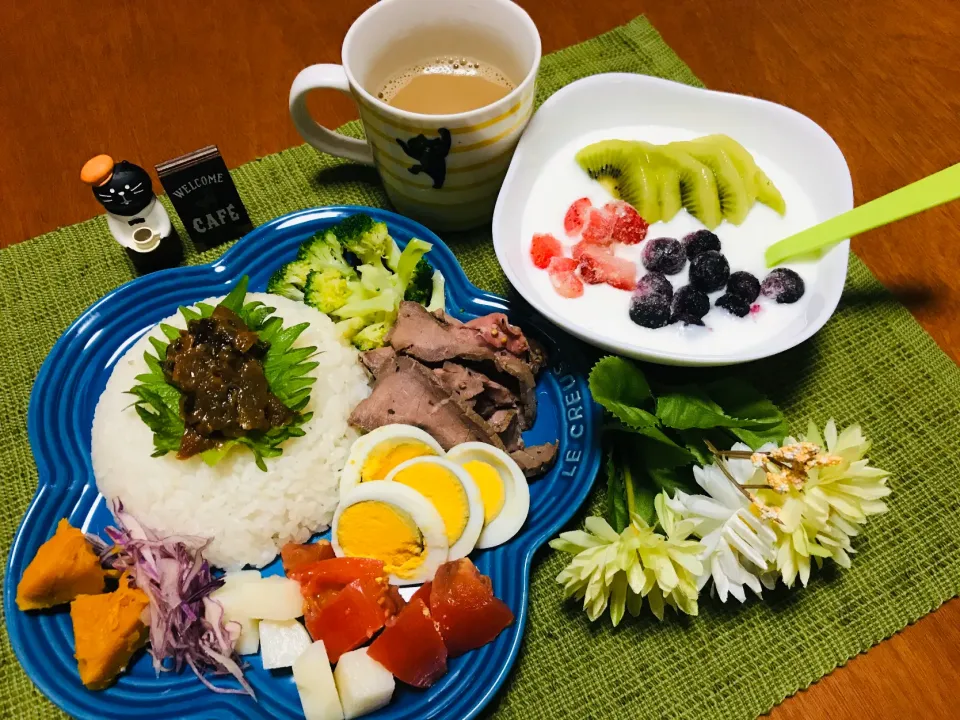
<point>709,271</point>
<point>664,255</point>
<point>733,304</point>
<point>783,285</point>
<point>650,311</point>
<point>743,285</point>
<point>699,242</point>
<point>654,283</point>
<point>689,306</point>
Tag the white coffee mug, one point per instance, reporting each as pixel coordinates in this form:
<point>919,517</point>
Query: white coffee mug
<point>444,170</point>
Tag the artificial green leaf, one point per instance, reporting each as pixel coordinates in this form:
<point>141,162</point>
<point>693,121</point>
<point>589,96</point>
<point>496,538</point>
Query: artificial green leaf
<point>617,514</point>
<point>206,309</point>
<point>641,496</point>
<point>688,408</point>
<point>760,436</point>
<point>671,479</point>
<point>741,400</point>
<point>170,331</point>
<point>620,387</point>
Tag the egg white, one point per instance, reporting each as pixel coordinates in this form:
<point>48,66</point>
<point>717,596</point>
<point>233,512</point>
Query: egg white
<point>365,444</point>
<point>516,503</point>
<point>471,531</point>
<point>425,516</point>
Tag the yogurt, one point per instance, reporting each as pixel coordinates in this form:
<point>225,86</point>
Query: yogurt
<point>606,309</point>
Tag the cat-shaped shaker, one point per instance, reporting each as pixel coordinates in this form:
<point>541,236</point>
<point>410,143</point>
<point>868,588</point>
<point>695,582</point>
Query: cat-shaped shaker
<point>136,219</point>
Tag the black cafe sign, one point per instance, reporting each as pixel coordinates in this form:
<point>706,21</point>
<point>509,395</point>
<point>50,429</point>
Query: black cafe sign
<point>202,191</point>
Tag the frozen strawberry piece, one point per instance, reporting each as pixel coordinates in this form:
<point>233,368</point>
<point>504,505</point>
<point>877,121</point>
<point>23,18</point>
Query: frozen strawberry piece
<point>576,216</point>
<point>563,277</point>
<point>601,267</point>
<point>583,245</point>
<point>412,648</point>
<point>599,227</point>
<point>567,285</point>
<point>464,607</point>
<point>629,228</point>
<point>561,265</point>
<point>544,248</point>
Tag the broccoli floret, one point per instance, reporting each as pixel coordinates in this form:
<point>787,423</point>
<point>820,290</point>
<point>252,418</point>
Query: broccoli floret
<point>420,287</point>
<point>368,240</point>
<point>372,336</point>
<point>437,298</point>
<point>290,280</point>
<point>371,308</point>
<point>326,290</point>
<point>350,327</point>
<point>322,252</point>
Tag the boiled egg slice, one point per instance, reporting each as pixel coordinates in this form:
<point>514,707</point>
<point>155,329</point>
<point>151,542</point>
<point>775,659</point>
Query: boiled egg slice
<point>503,490</point>
<point>393,523</point>
<point>375,454</point>
<point>454,494</point>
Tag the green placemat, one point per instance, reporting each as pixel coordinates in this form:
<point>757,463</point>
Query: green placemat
<point>872,364</point>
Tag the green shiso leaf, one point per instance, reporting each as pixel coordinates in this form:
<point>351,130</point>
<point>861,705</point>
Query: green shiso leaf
<point>285,367</point>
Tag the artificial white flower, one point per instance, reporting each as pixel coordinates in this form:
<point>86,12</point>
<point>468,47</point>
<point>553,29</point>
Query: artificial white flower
<point>737,546</point>
<point>817,519</point>
<point>618,570</point>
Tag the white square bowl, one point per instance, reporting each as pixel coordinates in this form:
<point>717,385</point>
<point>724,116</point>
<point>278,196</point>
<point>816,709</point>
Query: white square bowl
<point>793,141</point>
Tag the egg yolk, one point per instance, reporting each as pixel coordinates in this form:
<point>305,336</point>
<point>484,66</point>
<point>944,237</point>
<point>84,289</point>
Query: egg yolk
<point>491,487</point>
<point>384,532</point>
<point>387,455</point>
<point>441,487</point>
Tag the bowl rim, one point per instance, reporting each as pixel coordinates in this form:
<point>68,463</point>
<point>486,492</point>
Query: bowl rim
<point>839,254</point>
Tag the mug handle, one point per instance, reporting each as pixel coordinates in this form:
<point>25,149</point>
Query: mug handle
<point>318,77</point>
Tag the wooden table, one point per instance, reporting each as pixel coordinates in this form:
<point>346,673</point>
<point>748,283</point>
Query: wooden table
<point>149,81</point>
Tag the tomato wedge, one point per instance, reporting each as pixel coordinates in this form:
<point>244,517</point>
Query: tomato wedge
<point>295,556</point>
<point>412,648</point>
<point>338,571</point>
<point>423,592</point>
<point>346,621</point>
<point>463,604</point>
<point>321,583</point>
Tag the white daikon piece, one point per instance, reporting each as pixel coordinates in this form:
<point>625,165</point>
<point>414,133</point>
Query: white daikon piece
<point>314,681</point>
<point>364,685</point>
<point>266,598</point>
<point>240,576</point>
<point>249,640</point>
<point>281,642</point>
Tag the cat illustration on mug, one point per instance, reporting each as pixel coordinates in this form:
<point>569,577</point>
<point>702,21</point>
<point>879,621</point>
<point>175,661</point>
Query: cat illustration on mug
<point>432,154</point>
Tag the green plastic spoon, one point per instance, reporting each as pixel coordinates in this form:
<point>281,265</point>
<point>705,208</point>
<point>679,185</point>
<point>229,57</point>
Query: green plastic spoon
<point>933,190</point>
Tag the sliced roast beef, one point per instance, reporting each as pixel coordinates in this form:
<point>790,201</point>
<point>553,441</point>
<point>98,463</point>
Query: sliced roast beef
<point>411,394</point>
<point>432,339</point>
<point>506,423</point>
<point>376,361</point>
<point>535,460</point>
<point>464,382</point>
<point>497,332</point>
<point>485,394</point>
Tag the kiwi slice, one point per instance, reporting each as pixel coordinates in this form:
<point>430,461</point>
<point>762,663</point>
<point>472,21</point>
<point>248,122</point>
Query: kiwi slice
<point>625,173</point>
<point>668,182</point>
<point>734,201</point>
<point>759,186</point>
<point>698,186</point>
<point>767,192</point>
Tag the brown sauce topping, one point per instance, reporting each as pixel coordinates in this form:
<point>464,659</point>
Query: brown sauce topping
<point>217,363</point>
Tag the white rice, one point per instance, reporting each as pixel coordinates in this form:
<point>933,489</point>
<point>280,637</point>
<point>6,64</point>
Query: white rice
<point>248,513</point>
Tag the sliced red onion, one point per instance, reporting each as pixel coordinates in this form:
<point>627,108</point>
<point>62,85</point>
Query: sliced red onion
<point>186,625</point>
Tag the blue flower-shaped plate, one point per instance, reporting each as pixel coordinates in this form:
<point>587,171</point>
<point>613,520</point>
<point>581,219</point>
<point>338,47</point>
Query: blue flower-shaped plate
<point>59,422</point>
